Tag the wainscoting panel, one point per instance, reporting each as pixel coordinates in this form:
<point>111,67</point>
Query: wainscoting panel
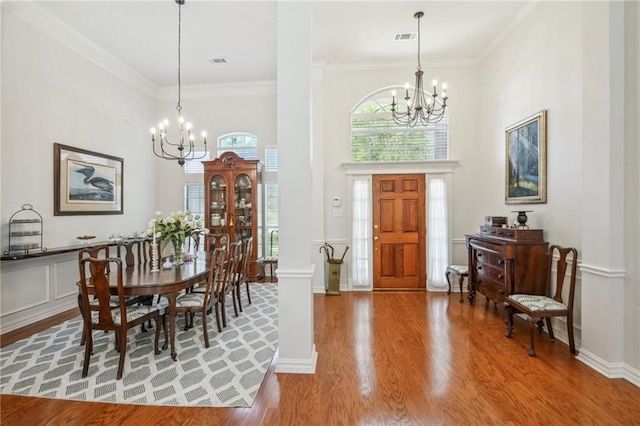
<point>24,289</point>
<point>65,278</point>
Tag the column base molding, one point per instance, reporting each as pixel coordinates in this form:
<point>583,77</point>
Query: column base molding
<point>298,366</point>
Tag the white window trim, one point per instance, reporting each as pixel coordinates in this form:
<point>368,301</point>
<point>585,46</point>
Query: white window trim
<point>441,168</point>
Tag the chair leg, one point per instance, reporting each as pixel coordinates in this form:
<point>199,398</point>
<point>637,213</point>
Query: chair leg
<point>157,341</point>
<point>509,310</point>
<point>448,282</point>
<point>572,345</point>
<point>123,351</point>
<point>461,281</point>
<point>223,309</point>
<point>550,328</point>
<point>88,348</point>
<point>238,286</point>
<point>81,307</point>
<point>540,325</point>
<point>218,317</point>
<point>234,296</point>
<point>532,327</point>
<point>248,293</point>
<point>166,332</point>
<point>204,328</point>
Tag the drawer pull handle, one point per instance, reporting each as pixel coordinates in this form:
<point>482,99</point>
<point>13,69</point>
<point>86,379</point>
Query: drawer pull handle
<point>500,276</point>
<point>479,268</point>
<point>500,261</point>
<point>479,254</point>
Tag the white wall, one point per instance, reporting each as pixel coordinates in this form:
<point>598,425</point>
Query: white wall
<point>345,87</point>
<point>51,94</point>
<point>543,64</point>
<point>248,108</point>
<point>632,190</point>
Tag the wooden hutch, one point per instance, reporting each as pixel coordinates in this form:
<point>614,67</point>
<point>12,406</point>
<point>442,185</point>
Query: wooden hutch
<point>233,200</point>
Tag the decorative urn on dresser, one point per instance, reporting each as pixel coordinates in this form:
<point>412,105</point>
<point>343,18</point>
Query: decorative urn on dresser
<point>501,256</point>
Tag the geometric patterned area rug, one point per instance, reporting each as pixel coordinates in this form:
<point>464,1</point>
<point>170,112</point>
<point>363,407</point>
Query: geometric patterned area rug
<point>227,374</point>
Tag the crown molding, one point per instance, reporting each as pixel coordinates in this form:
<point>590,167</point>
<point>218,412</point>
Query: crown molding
<point>53,27</point>
<point>508,30</point>
<point>246,88</point>
<point>399,65</point>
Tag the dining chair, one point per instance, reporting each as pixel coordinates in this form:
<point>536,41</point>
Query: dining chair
<point>120,319</point>
<point>538,307</point>
<point>218,240</point>
<point>137,252</point>
<point>202,303</point>
<point>102,252</point>
<point>231,279</point>
<point>243,275</point>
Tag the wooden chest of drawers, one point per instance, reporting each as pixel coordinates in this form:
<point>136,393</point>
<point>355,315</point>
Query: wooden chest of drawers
<point>493,249</point>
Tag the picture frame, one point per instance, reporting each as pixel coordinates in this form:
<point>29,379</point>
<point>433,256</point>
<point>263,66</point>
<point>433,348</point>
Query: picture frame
<point>526,160</point>
<point>86,182</point>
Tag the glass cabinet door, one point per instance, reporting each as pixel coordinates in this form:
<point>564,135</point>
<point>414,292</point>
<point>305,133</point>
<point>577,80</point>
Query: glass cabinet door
<point>218,203</point>
<point>243,207</point>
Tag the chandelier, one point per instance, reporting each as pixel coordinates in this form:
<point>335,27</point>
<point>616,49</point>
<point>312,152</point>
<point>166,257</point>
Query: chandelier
<point>423,108</point>
<point>182,150</point>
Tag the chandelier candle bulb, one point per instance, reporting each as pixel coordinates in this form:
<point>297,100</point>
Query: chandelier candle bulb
<point>422,109</point>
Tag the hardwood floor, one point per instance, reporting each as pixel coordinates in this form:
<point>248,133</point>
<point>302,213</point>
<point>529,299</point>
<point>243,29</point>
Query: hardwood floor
<point>395,358</point>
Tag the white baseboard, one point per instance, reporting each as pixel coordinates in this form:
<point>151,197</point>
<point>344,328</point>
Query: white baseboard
<point>615,370</point>
<point>19,321</point>
<point>298,366</point>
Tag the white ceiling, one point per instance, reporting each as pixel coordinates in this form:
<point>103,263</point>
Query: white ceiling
<point>143,34</point>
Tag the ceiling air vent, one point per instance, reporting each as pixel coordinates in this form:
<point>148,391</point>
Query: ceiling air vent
<point>405,36</point>
<point>218,61</point>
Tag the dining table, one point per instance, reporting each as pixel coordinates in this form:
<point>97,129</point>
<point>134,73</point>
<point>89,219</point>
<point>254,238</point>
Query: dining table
<point>141,280</point>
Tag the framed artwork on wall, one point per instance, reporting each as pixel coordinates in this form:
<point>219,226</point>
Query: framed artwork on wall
<point>526,160</point>
<point>86,182</point>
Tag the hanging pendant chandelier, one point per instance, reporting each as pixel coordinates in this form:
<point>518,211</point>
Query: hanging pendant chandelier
<point>423,108</point>
<point>184,148</point>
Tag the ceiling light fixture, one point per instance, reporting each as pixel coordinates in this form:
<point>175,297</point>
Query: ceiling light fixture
<point>183,150</point>
<point>423,108</point>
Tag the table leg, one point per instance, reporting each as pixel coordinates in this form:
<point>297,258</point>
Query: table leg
<point>172,324</point>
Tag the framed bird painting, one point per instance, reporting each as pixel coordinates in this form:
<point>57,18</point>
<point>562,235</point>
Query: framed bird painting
<point>86,182</point>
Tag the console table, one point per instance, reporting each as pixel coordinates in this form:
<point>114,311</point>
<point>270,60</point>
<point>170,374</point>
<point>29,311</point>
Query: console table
<point>500,256</point>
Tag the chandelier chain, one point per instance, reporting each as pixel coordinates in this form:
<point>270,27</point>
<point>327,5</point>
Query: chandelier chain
<point>183,149</point>
<point>419,66</point>
<point>179,106</point>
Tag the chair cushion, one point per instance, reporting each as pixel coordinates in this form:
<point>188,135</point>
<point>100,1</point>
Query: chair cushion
<point>133,312</point>
<point>537,303</point>
<point>459,269</point>
<point>190,300</point>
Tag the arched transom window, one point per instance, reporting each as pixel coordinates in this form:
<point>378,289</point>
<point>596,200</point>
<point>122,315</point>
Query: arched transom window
<point>376,137</point>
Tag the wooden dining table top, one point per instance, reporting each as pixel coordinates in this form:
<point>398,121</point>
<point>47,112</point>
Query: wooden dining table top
<point>140,280</point>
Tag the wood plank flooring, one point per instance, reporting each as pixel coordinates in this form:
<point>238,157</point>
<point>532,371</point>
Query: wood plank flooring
<point>395,359</point>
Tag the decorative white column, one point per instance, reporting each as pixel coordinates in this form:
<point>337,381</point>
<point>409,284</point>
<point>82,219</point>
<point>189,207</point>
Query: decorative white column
<point>297,353</point>
<point>319,199</point>
<point>603,272</point>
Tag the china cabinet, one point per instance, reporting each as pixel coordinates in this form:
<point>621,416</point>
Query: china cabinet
<point>233,198</point>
